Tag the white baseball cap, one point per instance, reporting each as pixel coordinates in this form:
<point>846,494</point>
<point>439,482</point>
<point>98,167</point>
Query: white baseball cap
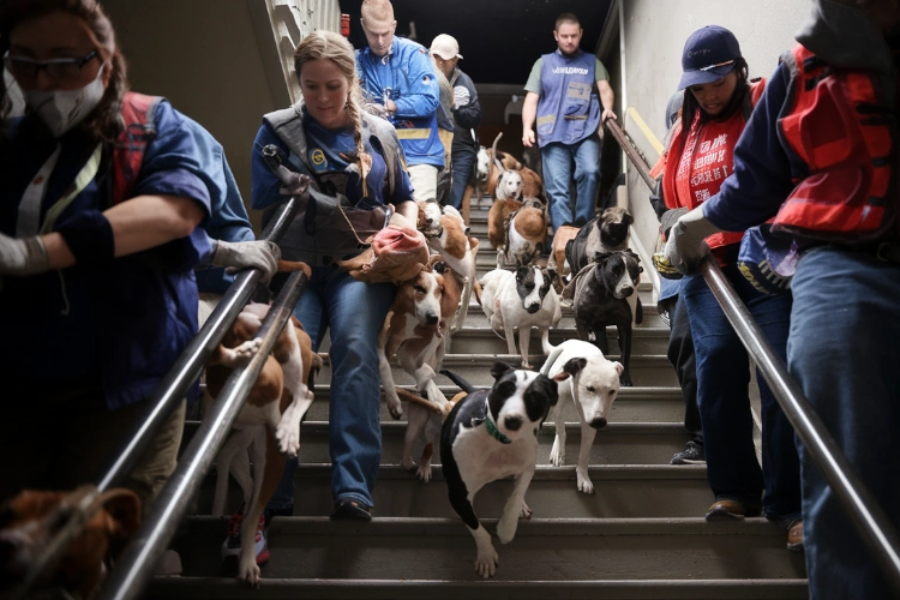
<point>445,46</point>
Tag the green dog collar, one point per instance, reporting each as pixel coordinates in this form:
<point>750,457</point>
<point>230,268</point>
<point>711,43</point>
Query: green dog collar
<point>492,427</point>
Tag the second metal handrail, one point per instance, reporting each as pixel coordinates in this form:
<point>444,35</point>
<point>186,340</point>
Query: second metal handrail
<point>852,493</point>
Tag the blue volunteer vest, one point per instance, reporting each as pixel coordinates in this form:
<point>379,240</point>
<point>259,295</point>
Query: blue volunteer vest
<point>569,109</point>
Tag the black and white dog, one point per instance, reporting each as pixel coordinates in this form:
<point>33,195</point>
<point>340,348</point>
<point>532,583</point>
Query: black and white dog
<point>606,294</point>
<point>489,435</point>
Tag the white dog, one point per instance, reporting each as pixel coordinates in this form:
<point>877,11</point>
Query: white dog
<point>521,301</point>
<point>592,388</point>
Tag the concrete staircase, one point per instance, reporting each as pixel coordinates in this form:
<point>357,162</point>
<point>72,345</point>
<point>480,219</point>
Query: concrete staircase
<point>642,535</point>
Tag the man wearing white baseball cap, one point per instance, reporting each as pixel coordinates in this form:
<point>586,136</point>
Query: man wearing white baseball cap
<point>466,112</point>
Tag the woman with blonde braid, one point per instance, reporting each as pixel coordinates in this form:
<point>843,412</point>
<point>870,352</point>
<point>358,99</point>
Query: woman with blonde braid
<point>329,138</point>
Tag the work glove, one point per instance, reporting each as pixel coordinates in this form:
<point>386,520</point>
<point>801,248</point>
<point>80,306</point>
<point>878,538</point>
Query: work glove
<point>262,255</point>
<point>685,246</point>
<point>26,256</point>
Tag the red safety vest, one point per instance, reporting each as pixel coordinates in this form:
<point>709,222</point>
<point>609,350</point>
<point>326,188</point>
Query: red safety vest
<point>839,128</point>
<point>138,111</point>
<point>696,173</point>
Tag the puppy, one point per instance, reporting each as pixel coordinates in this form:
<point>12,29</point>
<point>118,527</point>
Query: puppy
<point>592,387</point>
<point>490,435</point>
<point>532,183</point>
<point>278,400</point>
<point>601,298</point>
<point>607,232</point>
<point>458,249</point>
<point>525,234</point>
<point>521,301</point>
<point>32,520</point>
<point>557,258</point>
<point>414,330</point>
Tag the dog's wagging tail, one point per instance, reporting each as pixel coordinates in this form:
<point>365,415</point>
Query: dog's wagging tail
<point>460,382</point>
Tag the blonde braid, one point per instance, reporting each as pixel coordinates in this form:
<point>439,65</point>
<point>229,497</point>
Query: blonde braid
<point>354,111</point>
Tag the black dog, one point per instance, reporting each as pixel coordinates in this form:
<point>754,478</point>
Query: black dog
<point>492,434</point>
<point>603,296</point>
<point>607,232</point>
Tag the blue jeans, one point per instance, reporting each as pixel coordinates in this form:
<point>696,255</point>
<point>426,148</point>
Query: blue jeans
<point>463,163</point>
<point>723,377</point>
<point>557,159</point>
<point>354,312</point>
<point>843,351</point>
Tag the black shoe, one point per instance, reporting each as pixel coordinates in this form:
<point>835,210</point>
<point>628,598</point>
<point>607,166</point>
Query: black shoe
<point>348,508</point>
<point>692,454</point>
<point>269,513</point>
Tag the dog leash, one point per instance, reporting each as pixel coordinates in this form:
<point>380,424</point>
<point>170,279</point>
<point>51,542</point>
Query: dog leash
<point>491,426</point>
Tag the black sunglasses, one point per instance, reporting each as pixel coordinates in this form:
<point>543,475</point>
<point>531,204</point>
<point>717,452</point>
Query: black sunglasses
<point>58,69</point>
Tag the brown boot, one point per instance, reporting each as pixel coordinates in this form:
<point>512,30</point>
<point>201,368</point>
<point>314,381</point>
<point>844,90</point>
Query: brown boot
<point>730,510</point>
<point>795,536</point>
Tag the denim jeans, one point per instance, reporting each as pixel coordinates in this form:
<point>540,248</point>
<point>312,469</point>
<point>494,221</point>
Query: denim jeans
<point>843,351</point>
<point>354,312</point>
<point>557,159</point>
<point>723,378</point>
<point>463,164</point>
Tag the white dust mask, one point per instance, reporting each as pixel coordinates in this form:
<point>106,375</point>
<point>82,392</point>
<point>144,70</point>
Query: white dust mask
<point>61,110</point>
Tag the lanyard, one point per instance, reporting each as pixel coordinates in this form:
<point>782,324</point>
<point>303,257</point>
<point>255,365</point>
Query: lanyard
<point>84,177</point>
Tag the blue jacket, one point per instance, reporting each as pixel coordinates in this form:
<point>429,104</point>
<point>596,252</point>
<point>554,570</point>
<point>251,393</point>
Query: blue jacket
<point>228,219</point>
<point>406,74</point>
<point>123,325</point>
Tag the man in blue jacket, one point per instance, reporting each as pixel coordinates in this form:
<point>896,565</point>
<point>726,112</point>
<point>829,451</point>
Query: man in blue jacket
<point>562,96</point>
<point>399,83</point>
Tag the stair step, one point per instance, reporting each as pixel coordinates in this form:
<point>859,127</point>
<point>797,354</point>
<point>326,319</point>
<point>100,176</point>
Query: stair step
<point>475,319</point>
<point>622,491</point>
<point>544,549</point>
<point>474,339</point>
<point>617,443</point>
<point>648,404</point>
<point>476,368</point>
<point>192,588</point>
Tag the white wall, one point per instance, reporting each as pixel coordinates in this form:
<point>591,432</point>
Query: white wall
<point>654,33</point>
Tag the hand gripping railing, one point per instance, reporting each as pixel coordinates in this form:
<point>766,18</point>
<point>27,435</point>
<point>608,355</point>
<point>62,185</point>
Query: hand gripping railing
<point>853,494</point>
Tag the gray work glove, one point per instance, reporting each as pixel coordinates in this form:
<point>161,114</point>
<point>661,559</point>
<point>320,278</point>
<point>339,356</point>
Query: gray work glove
<point>685,247</point>
<point>26,256</point>
<point>262,255</point>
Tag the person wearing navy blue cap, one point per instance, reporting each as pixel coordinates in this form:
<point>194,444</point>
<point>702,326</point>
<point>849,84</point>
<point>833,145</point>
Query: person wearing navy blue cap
<point>826,179</point>
<point>718,99</point>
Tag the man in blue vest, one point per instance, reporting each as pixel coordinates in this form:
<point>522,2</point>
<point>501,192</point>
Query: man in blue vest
<point>562,97</point>
<point>399,83</point>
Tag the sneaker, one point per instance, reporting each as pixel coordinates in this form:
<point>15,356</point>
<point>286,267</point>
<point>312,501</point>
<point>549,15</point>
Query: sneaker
<point>691,455</point>
<point>348,508</point>
<point>231,547</point>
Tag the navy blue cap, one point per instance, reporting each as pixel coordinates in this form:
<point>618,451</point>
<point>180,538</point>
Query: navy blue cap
<point>703,51</point>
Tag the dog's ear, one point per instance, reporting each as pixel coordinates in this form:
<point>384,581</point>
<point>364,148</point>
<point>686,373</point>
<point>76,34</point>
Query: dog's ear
<point>522,273</point>
<point>550,388</point>
<point>618,366</point>
<point>552,275</point>
<point>124,507</point>
<point>627,218</point>
<point>574,365</point>
<point>440,267</point>
<point>601,257</point>
<point>500,369</point>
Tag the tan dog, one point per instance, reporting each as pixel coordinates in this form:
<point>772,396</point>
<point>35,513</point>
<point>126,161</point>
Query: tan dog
<point>452,241</point>
<point>278,400</point>
<point>414,331</point>
<point>558,254</point>
<point>33,518</point>
<point>525,234</point>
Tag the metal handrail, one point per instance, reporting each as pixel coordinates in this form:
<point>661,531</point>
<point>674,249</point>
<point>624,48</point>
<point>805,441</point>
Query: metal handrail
<point>171,390</point>
<point>853,494</point>
<point>134,568</point>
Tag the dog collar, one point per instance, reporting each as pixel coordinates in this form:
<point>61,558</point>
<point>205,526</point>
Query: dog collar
<point>492,427</point>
